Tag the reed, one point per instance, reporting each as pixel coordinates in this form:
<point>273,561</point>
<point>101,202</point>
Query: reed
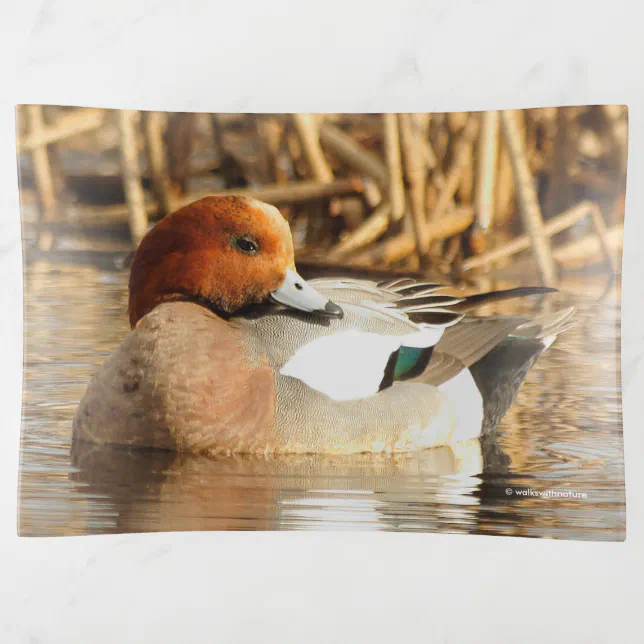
<point>367,189</point>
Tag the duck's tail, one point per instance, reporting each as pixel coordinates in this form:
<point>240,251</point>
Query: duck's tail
<point>500,373</point>
<point>472,301</point>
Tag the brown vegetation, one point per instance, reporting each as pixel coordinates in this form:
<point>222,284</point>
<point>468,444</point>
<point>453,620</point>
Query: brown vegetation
<point>452,192</point>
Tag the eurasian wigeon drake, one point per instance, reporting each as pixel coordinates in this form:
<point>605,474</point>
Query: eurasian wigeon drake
<point>231,351</point>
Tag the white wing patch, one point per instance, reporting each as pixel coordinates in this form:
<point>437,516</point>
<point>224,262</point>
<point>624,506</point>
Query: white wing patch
<point>351,364</point>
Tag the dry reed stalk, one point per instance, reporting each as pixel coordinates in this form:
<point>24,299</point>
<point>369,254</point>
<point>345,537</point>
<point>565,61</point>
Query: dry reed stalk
<point>368,231</point>
<point>289,192</point>
<point>505,193</point>
<point>439,138</point>
<point>318,224</point>
<point>353,210</point>
<point>429,155</point>
<point>462,151</point>
<point>131,173</point>
<point>296,153</point>
<point>392,250</point>
<point>617,120</point>
<point>57,167</point>
<point>353,154</point>
<point>530,211</point>
<point>431,196</point>
<point>265,166</point>
<point>452,251</point>
<point>153,129</point>
<point>434,186</point>
<point>308,131</point>
<point>436,250</point>
<point>218,137</point>
<point>523,242</point>
<point>372,193</point>
<point>590,248</point>
<point>618,209</point>
<point>528,125</point>
<point>453,223</point>
<point>602,234</point>
<point>178,138</point>
<point>42,173</point>
<point>77,122</point>
<point>416,172</point>
<point>396,187</point>
<point>456,121</point>
<point>273,132</point>
<point>616,117</point>
<point>422,122</point>
<point>466,186</point>
<point>487,164</point>
<point>404,244</point>
<point>279,194</point>
<point>560,190</point>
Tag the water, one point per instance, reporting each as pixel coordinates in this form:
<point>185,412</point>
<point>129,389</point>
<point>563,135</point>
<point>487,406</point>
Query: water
<point>563,433</point>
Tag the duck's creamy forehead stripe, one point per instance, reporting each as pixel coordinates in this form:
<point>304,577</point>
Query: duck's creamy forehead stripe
<point>275,215</point>
<point>277,220</point>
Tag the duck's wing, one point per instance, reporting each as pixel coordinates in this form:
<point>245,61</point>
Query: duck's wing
<point>472,339</point>
<point>389,333</point>
<point>403,299</point>
<point>462,345</point>
<point>420,302</point>
<point>465,340</point>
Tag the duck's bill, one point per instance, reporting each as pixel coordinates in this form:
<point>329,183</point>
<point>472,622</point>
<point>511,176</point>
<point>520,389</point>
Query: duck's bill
<point>298,294</point>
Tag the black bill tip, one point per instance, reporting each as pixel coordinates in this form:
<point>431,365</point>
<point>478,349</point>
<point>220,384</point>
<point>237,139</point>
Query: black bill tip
<point>331,310</point>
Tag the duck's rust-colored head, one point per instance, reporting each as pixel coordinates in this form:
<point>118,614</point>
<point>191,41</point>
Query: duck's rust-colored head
<point>226,253</point>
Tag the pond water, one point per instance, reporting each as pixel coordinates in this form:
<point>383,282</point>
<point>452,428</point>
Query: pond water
<point>563,435</point>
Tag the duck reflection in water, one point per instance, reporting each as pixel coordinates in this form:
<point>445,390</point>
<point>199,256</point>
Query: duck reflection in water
<point>162,490</point>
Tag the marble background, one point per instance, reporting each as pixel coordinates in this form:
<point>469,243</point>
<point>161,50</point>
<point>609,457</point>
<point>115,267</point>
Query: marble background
<point>330,56</point>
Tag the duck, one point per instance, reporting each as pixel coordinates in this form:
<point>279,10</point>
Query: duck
<point>232,352</point>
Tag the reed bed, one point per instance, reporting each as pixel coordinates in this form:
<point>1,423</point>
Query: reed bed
<point>456,193</point>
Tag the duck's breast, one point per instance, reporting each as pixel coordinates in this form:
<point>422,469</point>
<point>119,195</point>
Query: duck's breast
<point>183,379</point>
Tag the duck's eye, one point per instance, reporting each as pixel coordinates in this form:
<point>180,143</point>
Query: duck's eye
<point>246,245</point>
